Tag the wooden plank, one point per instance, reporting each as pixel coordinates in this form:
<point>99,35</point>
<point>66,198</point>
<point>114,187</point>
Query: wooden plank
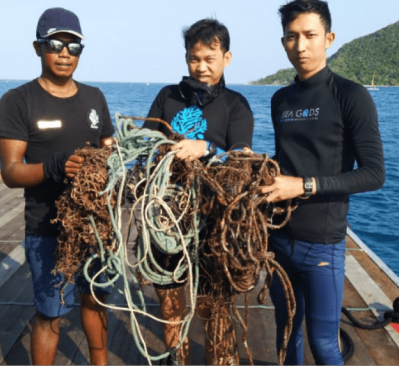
<point>352,299</point>
<point>20,353</point>
<point>261,337</point>
<point>13,318</point>
<point>11,194</point>
<point>389,274</point>
<point>13,231</point>
<point>4,220</point>
<point>6,247</point>
<point>11,263</point>
<point>386,284</point>
<point>370,292</point>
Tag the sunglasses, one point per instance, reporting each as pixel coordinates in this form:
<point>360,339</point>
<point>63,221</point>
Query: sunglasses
<point>56,46</point>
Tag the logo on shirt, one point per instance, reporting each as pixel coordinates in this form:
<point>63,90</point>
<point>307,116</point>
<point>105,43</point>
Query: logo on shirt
<point>94,119</point>
<point>189,122</point>
<point>311,114</point>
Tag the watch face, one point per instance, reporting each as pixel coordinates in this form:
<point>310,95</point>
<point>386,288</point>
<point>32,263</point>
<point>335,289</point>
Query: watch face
<point>308,185</point>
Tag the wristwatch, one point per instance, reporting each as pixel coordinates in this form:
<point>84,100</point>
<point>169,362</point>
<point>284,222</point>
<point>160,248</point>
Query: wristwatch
<point>307,186</point>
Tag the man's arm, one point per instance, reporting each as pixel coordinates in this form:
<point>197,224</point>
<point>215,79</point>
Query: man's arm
<point>17,174</point>
<point>241,125</point>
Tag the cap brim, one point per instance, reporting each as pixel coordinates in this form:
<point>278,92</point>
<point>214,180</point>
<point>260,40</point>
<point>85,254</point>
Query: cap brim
<point>64,31</point>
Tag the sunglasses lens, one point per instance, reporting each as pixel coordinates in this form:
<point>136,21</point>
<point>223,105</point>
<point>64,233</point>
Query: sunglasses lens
<point>74,49</point>
<point>54,46</point>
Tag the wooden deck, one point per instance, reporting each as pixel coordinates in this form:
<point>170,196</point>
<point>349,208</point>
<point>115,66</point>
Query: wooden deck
<point>366,286</point>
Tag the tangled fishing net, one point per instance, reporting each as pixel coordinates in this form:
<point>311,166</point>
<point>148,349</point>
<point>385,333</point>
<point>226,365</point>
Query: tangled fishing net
<point>210,213</point>
<point>78,205</point>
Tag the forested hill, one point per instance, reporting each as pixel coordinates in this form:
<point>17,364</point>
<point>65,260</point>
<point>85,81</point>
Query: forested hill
<point>358,60</point>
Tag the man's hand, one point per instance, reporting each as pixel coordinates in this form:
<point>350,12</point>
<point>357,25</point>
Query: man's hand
<point>283,188</point>
<point>73,165</point>
<point>190,149</point>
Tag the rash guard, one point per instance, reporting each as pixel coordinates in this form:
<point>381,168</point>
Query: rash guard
<point>226,120</point>
<point>322,126</point>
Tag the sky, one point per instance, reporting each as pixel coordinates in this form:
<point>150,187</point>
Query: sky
<point>141,40</point>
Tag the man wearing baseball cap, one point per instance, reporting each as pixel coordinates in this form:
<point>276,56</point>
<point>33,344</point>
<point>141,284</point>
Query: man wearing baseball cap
<point>41,123</point>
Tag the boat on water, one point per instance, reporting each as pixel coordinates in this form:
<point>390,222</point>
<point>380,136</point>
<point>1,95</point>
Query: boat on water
<point>371,288</point>
<point>372,86</point>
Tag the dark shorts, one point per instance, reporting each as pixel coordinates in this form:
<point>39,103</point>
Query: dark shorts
<point>39,253</point>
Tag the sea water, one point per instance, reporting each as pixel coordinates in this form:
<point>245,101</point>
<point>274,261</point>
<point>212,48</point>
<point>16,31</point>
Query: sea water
<point>373,216</point>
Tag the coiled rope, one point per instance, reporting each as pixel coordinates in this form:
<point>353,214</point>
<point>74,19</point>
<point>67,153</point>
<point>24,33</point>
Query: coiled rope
<point>165,204</point>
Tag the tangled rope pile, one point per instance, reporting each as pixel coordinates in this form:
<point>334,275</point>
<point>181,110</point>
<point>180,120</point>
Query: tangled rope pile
<point>236,248</point>
<point>168,209</point>
<point>79,202</point>
<point>175,200</point>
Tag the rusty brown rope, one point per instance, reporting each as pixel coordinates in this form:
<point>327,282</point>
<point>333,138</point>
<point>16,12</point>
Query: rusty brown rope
<point>236,249</point>
<point>76,240</point>
<point>150,119</point>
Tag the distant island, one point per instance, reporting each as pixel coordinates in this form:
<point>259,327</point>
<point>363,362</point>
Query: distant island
<point>359,60</point>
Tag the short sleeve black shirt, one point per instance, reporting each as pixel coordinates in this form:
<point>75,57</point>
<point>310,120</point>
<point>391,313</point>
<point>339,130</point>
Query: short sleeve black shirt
<point>51,125</point>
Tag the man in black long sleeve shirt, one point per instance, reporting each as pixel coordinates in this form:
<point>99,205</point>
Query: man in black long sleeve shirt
<point>323,123</point>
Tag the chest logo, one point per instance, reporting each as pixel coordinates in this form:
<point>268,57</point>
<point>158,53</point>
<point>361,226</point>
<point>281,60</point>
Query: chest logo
<point>300,115</point>
<point>94,119</point>
<point>189,122</point>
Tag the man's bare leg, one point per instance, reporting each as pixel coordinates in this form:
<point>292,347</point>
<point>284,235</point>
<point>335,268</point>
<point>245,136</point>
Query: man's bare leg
<point>95,326</point>
<point>173,306</point>
<point>45,338</point>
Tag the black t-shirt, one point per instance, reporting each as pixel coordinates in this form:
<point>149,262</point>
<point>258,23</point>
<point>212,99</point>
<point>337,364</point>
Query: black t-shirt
<point>226,121</point>
<point>322,126</point>
<point>51,125</point>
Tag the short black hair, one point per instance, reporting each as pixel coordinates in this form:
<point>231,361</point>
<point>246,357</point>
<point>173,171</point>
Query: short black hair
<point>293,9</point>
<point>207,31</point>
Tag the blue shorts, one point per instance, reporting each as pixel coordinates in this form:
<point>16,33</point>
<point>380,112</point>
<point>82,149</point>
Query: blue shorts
<point>317,273</point>
<point>39,253</point>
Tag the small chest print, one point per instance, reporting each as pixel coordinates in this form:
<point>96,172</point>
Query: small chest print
<point>94,119</point>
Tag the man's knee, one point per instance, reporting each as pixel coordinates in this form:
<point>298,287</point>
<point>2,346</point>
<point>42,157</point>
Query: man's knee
<point>45,321</point>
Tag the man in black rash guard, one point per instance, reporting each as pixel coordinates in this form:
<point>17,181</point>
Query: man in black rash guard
<point>213,119</point>
<point>323,123</point>
<point>41,124</point>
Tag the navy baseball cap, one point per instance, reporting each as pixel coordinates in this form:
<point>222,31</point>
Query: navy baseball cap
<point>56,20</point>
